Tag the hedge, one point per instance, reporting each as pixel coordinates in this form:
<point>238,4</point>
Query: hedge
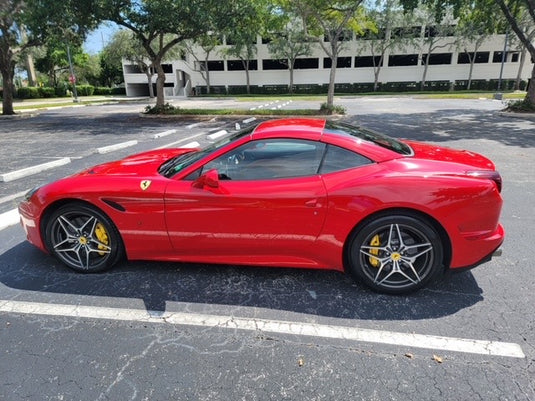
<point>363,87</point>
<point>30,92</point>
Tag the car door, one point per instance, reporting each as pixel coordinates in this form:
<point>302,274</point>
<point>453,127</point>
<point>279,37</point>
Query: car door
<point>260,202</point>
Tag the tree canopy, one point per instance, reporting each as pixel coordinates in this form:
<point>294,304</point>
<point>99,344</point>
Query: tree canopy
<point>67,20</point>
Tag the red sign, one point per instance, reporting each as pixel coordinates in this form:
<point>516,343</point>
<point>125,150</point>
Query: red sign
<point>72,79</point>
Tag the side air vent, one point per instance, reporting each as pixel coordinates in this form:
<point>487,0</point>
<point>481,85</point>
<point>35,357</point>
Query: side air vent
<point>114,205</point>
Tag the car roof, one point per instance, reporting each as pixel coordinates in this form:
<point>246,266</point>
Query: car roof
<point>310,128</point>
<point>314,129</point>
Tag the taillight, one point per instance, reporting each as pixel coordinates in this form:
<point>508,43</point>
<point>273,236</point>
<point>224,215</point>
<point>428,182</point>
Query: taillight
<point>489,175</point>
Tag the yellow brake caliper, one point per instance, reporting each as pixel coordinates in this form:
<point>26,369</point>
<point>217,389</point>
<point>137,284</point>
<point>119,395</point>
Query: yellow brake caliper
<point>102,236</point>
<point>375,242</point>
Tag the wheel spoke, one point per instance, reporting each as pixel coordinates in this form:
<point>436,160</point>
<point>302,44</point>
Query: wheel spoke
<point>94,223</point>
<point>411,266</point>
<point>65,241</point>
<point>64,223</point>
<point>412,258</point>
<point>101,248</point>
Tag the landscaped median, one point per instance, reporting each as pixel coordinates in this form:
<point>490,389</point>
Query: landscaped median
<point>170,110</point>
<point>30,105</point>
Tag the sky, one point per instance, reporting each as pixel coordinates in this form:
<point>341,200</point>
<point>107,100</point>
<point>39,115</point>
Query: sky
<point>99,38</point>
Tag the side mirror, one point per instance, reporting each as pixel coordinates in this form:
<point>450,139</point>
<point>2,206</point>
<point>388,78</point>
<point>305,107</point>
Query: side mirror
<point>209,179</point>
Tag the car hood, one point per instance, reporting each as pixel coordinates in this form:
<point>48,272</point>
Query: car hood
<point>141,164</point>
<point>439,153</point>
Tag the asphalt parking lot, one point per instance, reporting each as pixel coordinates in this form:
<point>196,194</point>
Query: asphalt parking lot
<point>160,331</point>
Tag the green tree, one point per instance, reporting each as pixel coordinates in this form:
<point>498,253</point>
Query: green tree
<point>121,46</point>
<point>53,60</point>
<point>290,44</point>
<point>242,33</point>
<point>159,25</point>
<point>68,19</point>
<point>331,24</point>
<point>472,29</point>
<point>437,34</point>
<point>514,12</point>
<point>390,22</point>
<point>207,42</point>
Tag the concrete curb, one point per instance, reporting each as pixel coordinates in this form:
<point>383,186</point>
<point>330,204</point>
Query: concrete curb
<point>524,116</point>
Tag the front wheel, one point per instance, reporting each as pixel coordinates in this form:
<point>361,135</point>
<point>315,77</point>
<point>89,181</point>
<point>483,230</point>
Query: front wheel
<point>83,238</point>
<point>395,254</point>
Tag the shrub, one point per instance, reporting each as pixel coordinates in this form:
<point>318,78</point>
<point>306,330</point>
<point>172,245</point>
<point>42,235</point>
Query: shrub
<point>399,86</point>
<point>334,109</point>
<point>165,109</point>
<point>437,86</point>
<point>46,92</point>
<point>118,91</point>
<point>60,91</point>
<point>102,90</point>
<point>521,106</point>
<point>85,90</point>
<point>28,93</point>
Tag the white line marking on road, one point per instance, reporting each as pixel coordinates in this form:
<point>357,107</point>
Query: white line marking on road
<point>193,125</point>
<point>9,219</point>
<point>192,145</point>
<point>117,146</point>
<point>491,348</point>
<point>249,120</point>
<point>15,175</point>
<point>172,144</point>
<point>12,197</point>
<point>164,133</point>
<point>216,135</point>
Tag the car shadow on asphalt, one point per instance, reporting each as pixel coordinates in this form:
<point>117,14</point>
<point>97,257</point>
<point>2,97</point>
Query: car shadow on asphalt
<point>452,125</point>
<point>313,292</point>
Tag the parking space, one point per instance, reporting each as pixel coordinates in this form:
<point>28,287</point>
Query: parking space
<point>148,330</point>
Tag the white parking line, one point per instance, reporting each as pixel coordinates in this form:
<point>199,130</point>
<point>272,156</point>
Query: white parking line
<point>192,145</point>
<point>9,219</point>
<point>9,198</point>
<point>117,146</point>
<point>490,348</point>
<point>216,135</point>
<point>189,138</point>
<point>15,175</point>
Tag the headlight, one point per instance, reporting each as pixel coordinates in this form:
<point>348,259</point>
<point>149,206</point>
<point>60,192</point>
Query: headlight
<point>30,193</point>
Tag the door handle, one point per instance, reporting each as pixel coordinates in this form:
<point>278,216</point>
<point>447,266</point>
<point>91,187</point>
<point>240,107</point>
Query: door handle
<point>313,203</point>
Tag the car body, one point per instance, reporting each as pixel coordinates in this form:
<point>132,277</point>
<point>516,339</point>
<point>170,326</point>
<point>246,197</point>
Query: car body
<point>306,193</point>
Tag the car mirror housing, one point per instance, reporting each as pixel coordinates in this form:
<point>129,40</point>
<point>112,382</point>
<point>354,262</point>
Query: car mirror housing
<point>210,179</point>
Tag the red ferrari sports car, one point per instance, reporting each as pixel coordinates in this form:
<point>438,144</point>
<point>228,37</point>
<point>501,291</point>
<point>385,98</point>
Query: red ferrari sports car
<point>303,193</point>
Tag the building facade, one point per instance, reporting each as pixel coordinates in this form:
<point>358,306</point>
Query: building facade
<point>448,67</point>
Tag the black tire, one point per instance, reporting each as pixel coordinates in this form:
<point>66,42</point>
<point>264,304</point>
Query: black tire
<point>395,254</point>
<point>83,238</point>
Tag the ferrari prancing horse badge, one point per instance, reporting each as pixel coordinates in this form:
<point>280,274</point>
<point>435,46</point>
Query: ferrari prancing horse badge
<point>145,184</point>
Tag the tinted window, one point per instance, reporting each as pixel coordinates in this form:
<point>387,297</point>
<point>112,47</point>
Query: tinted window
<point>370,136</point>
<point>338,159</point>
<point>269,159</point>
<point>180,162</point>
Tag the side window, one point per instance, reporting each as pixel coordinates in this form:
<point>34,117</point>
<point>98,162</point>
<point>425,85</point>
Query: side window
<point>269,159</point>
<point>337,159</point>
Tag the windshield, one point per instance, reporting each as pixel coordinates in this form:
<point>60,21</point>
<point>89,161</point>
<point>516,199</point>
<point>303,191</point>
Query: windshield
<point>370,136</point>
<point>178,163</point>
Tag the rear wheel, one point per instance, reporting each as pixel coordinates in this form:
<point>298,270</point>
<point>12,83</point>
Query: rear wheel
<point>395,254</point>
<point>83,238</point>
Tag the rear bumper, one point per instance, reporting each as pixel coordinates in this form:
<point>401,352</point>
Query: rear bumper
<point>471,251</point>
<point>497,252</point>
